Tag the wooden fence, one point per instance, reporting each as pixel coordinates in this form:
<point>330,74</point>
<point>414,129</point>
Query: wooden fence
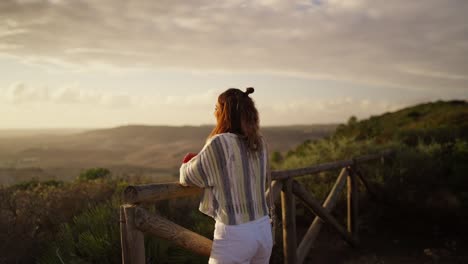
<point>135,220</point>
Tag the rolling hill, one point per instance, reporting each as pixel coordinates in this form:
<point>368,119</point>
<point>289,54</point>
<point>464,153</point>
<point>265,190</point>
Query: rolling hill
<point>129,150</point>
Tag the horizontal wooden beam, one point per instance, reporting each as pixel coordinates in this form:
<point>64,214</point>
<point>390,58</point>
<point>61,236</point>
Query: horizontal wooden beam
<point>156,192</point>
<point>149,193</point>
<point>317,208</point>
<point>284,174</point>
<point>159,226</point>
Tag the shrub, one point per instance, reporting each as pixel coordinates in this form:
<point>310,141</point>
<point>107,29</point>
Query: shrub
<point>94,236</point>
<point>31,213</point>
<point>93,174</point>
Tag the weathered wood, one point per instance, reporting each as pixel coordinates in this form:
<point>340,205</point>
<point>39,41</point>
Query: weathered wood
<point>159,226</point>
<point>289,222</point>
<point>314,229</point>
<point>155,192</point>
<point>123,237</point>
<point>285,174</point>
<point>353,199</point>
<point>317,208</point>
<point>135,242</point>
<point>276,186</point>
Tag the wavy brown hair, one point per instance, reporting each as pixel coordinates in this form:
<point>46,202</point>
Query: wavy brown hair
<point>236,113</point>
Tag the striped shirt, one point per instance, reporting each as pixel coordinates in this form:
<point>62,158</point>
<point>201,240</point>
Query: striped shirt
<point>232,177</point>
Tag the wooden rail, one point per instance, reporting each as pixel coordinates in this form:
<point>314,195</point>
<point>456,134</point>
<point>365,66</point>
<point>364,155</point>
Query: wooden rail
<point>137,221</point>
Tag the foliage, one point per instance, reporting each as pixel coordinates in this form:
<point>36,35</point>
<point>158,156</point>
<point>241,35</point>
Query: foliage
<point>438,121</point>
<point>35,183</point>
<point>427,171</point>
<point>31,213</point>
<point>93,174</point>
<point>94,236</point>
<point>91,237</point>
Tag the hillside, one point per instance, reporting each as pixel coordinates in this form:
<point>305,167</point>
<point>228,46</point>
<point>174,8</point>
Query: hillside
<point>440,121</point>
<point>421,204</point>
<point>131,150</point>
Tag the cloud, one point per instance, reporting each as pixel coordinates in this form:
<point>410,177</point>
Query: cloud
<point>325,110</point>
<point>23,93</point>
<point>19,92</point>
<point>420,44</point>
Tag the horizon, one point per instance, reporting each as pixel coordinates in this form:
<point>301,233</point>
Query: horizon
<point>88,64</point>
<point>212,124</point>
<point>153,125</point>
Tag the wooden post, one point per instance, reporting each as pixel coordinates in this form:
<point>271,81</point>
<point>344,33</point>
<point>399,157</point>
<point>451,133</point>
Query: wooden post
<point>289,222</point>
<point>317,208</point>
<point>314,229</point>
<point>353,199</point>
<point>134,242</point>
<point>159,226</point>
<point>276,187</point>
<point>123,237</point>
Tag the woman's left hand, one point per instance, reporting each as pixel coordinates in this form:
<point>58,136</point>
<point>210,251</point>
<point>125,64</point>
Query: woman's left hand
<point>189,156</point>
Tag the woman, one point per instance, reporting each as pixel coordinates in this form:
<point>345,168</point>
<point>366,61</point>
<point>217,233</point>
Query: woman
<point>231,168</point>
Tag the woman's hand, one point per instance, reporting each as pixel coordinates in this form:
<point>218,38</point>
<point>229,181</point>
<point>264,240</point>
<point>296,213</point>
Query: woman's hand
<point>188,157</point>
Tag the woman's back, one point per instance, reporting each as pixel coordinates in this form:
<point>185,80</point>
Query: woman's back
<point>235,177</point>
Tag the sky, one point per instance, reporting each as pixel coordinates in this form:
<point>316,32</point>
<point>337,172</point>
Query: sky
<point>106,63</point>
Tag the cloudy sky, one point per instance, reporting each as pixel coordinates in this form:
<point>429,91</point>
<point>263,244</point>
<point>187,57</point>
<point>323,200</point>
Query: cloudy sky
<point>86,63</point>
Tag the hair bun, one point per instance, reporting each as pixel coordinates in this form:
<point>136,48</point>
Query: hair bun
<point>249,90</point>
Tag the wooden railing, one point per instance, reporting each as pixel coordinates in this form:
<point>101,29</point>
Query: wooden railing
<point>135,220</point>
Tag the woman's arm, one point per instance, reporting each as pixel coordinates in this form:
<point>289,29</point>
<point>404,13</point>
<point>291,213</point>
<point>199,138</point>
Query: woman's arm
<point>199,171</point>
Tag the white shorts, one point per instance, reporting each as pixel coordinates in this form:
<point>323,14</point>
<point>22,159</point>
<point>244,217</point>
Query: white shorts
<point>245,243</point>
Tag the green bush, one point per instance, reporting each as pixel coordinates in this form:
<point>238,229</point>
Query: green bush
<point>31,213</point>
<point>93,174</point>
<point>91,237</point>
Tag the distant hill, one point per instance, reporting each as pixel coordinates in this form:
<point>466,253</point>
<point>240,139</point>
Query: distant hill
<point>436,121</point>
<point>135,149</point>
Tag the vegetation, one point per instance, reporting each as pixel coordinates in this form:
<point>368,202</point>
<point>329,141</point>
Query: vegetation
<point>440,122</point>
<point>32,212</point>
<point>78,222</point>
<point>93,174</point>
<point>428,170</point>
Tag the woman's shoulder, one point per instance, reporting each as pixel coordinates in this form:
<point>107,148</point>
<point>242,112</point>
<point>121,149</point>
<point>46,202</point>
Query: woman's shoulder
<point>224,136</point>
<point>223,139</point>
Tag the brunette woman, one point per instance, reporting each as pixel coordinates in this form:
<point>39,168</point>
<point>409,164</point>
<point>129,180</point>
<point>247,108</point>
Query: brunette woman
<point>232,169</point>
